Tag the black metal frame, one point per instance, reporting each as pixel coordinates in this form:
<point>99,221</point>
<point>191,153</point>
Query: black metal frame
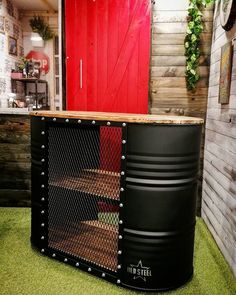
<point>42,195</point>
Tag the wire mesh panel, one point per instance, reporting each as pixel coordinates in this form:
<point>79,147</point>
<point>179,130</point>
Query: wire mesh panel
<point>83,192</point>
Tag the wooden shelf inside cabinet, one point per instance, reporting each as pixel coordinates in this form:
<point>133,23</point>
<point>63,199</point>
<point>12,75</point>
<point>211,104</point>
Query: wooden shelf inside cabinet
<point>91,240</point>
<point>97,182</point>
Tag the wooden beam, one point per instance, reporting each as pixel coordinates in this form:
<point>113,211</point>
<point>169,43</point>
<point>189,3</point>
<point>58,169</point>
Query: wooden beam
<point>46,2</point>
<point>25,13</point>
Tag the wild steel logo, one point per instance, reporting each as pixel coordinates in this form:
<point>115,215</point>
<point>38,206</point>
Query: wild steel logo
<point>139,271</point>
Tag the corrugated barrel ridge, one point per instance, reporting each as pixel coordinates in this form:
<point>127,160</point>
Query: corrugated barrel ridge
<point>161,190</point>
<point>161,171</point>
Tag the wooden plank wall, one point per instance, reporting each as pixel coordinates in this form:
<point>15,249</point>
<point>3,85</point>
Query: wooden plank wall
<point>14,160</point>
<point>219,178</point>
<point>168,93</point>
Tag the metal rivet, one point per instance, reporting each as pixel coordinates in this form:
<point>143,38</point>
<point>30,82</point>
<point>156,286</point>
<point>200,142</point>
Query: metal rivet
<point>42,212</point>
<point>42,173</point>
<point>42,250</point>
<point>103,275</point>
<point>108,123</point>
<point>65,260</point>
<point>119,252</point>
<point>42,224</point>
<point>121,205</point>
<point>42,238</point>
<point>53,255</point>
<point>123,124</point>
<point>121,189</point>
<point>89,269</point>
<point>42,186</point>
<point>43,160</point>
<point>77,264</point>
<point>93,122</point>
<point>42,118</point>
<point>42,146</point>
<point>124,141</point>
<point>120,237</point>
<point>122,173</point>
<point>54,119</point>
<point>79,121</point>
<point>118,281</point>
<point>119,266</point>
<point>42,132</point>
<point>42,199</point>
<point>67,120</point>
<point>123,157</point>
<point>121,222</point>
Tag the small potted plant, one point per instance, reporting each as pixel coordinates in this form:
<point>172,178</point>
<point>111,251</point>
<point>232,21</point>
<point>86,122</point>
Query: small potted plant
<point>18,72</point>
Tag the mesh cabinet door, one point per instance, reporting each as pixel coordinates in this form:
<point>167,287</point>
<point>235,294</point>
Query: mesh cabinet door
<point>83,192</point>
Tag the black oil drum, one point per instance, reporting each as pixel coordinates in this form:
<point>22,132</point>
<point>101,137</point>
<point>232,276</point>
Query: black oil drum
<point>159,211</point>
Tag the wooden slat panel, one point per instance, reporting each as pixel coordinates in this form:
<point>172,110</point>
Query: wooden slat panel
<point>163,5</point>
<point>170,28</point>
<point>170,16</point>
<point>210,221</point>
<point>141,12</point>
<point>177,39</point>
<point>179,93</point>
<point>176,50</point>
<point>183,110</point>
<point>14,160</point>
<point>179,82</point>
<point>123,25</point>
<point>15,198</point>
<point>178,71</point>
<point>180,60</point>
<point>225,128</point>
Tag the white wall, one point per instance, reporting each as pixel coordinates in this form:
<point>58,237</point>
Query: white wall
<point>7,61</point>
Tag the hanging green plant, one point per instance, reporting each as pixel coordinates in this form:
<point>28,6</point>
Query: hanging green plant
<point>192,41</point>
<point>39,26</point>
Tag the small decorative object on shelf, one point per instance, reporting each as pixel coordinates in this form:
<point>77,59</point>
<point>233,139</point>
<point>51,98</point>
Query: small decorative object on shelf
<point>227,14</point>
<point>16,75</point>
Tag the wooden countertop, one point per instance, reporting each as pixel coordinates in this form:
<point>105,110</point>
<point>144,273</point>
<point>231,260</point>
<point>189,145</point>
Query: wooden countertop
<point>120,117</point>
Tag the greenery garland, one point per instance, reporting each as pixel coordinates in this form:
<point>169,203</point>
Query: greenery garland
<point>192,41</point>
<point>39,26</point>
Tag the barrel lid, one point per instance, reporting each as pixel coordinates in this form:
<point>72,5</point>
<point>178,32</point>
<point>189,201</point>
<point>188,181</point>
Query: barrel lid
<point>120,117</point>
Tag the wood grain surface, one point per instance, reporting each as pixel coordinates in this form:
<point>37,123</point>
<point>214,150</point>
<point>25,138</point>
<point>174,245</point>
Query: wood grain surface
<point>120,117</point>
<point>219,176</point>
<point>93,241</point>
<point>14,160</point>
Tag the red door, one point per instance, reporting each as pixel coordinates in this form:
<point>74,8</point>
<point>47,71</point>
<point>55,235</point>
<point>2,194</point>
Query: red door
<point>107,49</point>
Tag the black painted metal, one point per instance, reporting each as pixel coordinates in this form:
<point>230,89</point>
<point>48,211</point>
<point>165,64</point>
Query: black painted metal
<point>157,199</point>
<point>161,188</point>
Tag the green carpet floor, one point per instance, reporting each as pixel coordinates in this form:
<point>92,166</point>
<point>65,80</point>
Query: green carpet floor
<point>25,271</point>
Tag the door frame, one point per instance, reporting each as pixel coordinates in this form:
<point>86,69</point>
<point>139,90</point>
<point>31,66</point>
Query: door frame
<point>63,50</point>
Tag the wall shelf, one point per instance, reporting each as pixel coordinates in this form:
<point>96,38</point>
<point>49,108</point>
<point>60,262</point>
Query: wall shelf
<point>41,101</point>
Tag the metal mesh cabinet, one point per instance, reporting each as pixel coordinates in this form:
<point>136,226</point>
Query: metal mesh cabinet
<point>115,194</point>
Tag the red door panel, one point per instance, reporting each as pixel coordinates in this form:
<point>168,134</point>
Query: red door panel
<point>107,48</point>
